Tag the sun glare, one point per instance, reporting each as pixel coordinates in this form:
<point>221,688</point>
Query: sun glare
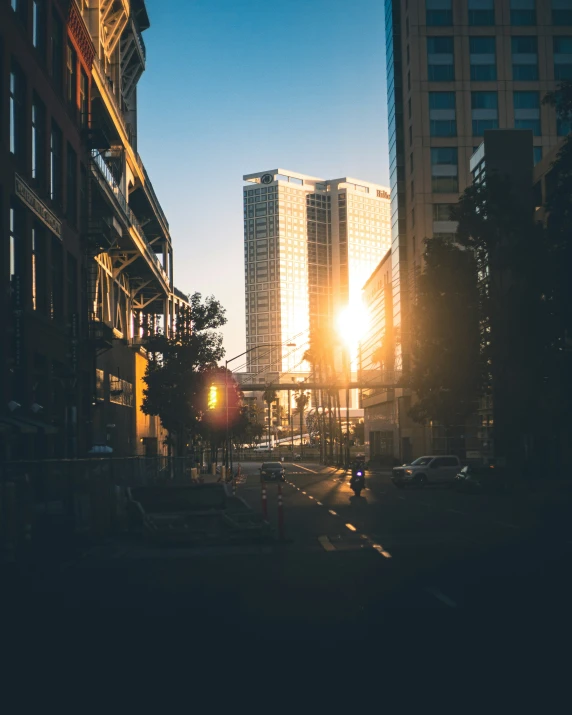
<point>352,323</point>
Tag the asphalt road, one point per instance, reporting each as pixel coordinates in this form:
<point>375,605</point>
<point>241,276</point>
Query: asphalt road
<point>344,563</point>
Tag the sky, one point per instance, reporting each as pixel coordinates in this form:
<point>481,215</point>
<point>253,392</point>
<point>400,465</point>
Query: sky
<point>238,86</point>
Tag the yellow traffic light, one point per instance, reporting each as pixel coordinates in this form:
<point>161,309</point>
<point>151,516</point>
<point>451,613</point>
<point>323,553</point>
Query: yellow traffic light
<point>213,397</point>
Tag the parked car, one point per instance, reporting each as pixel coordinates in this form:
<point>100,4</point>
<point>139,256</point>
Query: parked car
<point>483,479</point>
<point>272,471</point>
<point>433,469</point>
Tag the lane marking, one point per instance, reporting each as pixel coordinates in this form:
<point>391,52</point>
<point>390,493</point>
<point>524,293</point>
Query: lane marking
<point>308,470</point>
<point>332,512</point>
<point>381,550</point>
<point>326,543</point>
<point>310,496</point>
<point>441,597</point>
<point>351,527</point>
<point>303,492</point>
<point>400,497</point>
<point>319,503</point>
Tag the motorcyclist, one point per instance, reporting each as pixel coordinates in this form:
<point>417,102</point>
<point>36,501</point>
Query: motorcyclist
<point>358,472</point>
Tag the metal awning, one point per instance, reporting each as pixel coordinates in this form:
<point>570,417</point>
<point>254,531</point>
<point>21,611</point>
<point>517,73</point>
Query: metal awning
<point>26,425</point>
<point>7,422</point>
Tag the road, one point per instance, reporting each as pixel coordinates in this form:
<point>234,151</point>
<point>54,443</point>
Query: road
<point>344,563</point>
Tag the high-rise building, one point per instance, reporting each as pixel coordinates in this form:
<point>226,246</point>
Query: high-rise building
<point>309,246</point>
<point>454,69</point>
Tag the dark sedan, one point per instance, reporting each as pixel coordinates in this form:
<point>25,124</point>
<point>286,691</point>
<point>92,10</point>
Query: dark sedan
<point>483,479</point>
<point>272,472</point>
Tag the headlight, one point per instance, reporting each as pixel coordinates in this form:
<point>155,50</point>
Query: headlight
<point>408,471</point>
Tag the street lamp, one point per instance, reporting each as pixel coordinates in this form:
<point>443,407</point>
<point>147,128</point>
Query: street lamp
<point>226,363</point>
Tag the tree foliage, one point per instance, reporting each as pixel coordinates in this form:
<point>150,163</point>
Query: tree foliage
<point>180,368</point>
<point>447,368</point>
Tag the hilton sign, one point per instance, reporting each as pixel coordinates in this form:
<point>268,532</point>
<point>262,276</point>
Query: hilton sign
<point>33,202</point>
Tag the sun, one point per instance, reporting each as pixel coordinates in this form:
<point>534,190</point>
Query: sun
<point>352,323</point>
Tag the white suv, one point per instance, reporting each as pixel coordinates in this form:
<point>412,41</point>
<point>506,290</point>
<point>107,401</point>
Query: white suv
<point>434,469</point>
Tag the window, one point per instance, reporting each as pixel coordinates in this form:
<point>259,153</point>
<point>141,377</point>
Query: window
<point>57,276</point>
<point>524,58</point>
<point>439,12</point>
<point>72,284</point>
<point>483,59</point>
<point>523,12</point>
<point>442,114</point>
<point>537,153</point>
<point>527,111</point>
<point>481,12</point>
<point>71,189</point>
<point>39,273</point>
<point>563,127</point>
<point>561,12</point>
<point>71,75</point>
<point>83,97</point>
<point>120,391</point>
<point>19,7</point>
<point>563,57</point>
<point>442,212</point>
<point>57,50</point>
<point>484,111</point>
<point>17,110</point>
<point>38,141</point>
<point>440,59</point>
<point>444,170</point>
<point>56,164</point>
<point>39,25</point>
<point>16,242</point>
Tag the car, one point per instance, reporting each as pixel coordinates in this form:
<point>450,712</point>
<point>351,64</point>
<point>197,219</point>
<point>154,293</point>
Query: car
<point>488,479</point>
<point>432,469</point>
<point>272,472</point>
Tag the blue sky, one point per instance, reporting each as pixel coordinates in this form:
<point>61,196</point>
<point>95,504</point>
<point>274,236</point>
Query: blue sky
<point>236,86</point>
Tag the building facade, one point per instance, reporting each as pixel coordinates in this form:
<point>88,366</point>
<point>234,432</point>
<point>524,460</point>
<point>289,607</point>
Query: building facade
<point>456,68</point>
<point>309,245</point>
<point>83,283</point>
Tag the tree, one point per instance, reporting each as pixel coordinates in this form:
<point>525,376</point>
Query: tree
<point>269,396</point>
<point>179,368</point>
<point>302,400</point>
<point>447,369</point>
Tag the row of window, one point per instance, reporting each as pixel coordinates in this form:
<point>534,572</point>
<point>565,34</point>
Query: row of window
<point>46,161</point>
<point>483,65</point>
<point>66,71</point>
<point>484,113</point>
<point>42,273</point>
<point>482,12</point>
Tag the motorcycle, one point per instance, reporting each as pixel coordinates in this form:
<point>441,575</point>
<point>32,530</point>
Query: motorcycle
<point>357,482</point>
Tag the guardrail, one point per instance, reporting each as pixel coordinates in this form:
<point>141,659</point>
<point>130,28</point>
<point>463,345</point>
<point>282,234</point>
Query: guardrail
<point>105,172</point>
<point>152,193</point>
<point>108,84</point>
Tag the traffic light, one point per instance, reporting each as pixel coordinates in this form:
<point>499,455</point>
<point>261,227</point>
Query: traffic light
<point>213,397</point>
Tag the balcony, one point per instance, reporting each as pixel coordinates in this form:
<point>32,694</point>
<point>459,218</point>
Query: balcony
<point>152,197</point>
<point>107,90</point>
<point>102,172</point>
